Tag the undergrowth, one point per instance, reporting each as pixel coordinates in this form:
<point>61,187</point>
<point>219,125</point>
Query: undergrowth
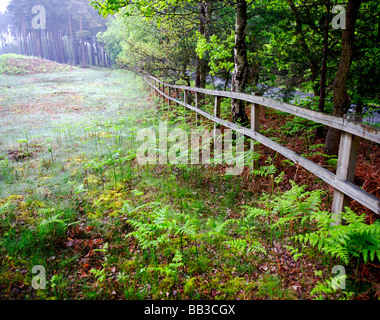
<point>75,200</point>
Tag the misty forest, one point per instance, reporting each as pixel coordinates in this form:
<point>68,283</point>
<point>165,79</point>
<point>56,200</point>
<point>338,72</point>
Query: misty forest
<point>190,150</point>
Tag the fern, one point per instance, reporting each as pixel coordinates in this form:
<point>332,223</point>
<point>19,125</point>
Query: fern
<point>355,239</point>
<point>265,171</point>
<point>254,212</point>
<point>189,228</point>
<point>217,229</point>
<point>241,245</point>
<point>327,287</point>
<point>170,270</point>
<point>154,231</point>
<point>129,209</point>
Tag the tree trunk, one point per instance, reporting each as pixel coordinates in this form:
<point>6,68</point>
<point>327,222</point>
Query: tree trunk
<point>42,45</point>
<point>239,77</point>
<point>97,53</point>
<point>322,86</point>
<point>92,52</point>
<point>313,62</point>
<point>52,47</point>
<point>19,43</point>
<point>82,44</point>
<point>76,52</point>
<point>56,45</point>
<point>341,98</point>
<point>72,45</point>
<point>104,57</point>
<point>201,64</point>
<point>25,39</point>
<point>33,43</point>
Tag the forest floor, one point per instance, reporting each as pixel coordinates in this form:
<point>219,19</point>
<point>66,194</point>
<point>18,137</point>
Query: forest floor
<point>75,200</point>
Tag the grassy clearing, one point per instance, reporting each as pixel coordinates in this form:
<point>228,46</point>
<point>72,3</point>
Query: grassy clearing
<point>13,64</point>
<point>74,199</point>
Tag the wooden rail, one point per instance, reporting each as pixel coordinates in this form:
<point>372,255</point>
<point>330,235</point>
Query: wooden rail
<point>341,181</point>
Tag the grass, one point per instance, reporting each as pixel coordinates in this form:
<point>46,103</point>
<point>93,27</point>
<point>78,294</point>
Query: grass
<point>74,199</point>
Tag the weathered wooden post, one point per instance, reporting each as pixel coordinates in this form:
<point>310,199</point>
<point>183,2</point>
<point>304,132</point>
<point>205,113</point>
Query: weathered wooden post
<point>216,114</point>
<point>163,92</point>
<point>255,126</point>
<point>347,156</point>
<point>176,94</point>
<point>185,99</point>
<point>217,133</point>
<point>196,105</point>
<point>170,94</point>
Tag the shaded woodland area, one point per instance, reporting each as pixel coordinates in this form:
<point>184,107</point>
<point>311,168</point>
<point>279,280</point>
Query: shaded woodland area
<point>255,46</point>
<point>69,35</point>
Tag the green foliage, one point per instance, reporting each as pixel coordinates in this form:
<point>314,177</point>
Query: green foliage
<point>53,226</point>
<point>220,53</point>
<point>13,64</point>
<point>154,230</point>
<point>242,246</point>
<point>327,287</point>
<point>344,241</point>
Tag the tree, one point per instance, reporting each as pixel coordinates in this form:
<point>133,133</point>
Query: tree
<point>239,79</point>
<point>341,98</point>
<point>56,42</point>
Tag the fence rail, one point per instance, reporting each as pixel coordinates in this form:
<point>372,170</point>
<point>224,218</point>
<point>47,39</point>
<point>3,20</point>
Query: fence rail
<point>351,131</point>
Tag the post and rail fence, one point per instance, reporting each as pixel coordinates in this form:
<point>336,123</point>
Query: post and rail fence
<point>342,181</point>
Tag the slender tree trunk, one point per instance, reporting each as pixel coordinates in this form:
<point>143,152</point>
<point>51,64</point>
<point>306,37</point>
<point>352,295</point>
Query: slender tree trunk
<point>82,44</point>
<point>104,57</point>
<point>341,98</point>
<point>76,53</point>
<point>322,86</point>
<point>42,46</point>
<point>83,50</point>
<point>33,43</point>
<point>38,43</point>
<point>62,46</point>
<point>313,62</point>
<point>56,44</point>
<point>92,52</point>
<point>25,40</point>
<point>201,64</point>
<point>72,46</point>
<point>97,53</point>
<point>19,45</point>
<point>239,77</point>
<point>52,46</point>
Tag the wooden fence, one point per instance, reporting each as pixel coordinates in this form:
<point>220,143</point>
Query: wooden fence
<point>351,132</point>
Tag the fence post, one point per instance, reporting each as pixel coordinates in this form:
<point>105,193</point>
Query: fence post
<point>176,95</point>
<point>163,92</point>
<point>196,105</point>
<point>348,150</point>
<point>170,94</point>
<point>216,114</point>
<point>185,98</point>
<point>255,126</point>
